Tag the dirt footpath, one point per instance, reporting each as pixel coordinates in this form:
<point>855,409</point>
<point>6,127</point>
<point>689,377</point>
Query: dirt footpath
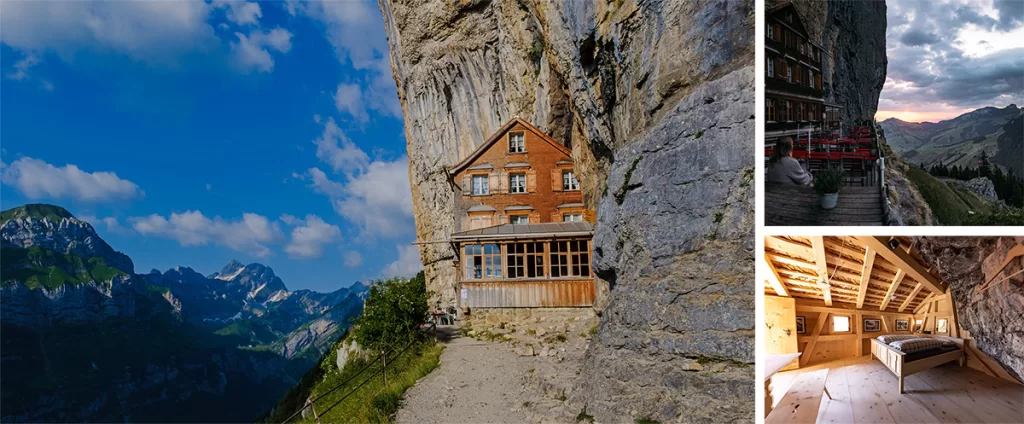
<point>488,382</point>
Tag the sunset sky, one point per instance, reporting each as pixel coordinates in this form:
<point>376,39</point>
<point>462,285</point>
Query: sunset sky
<point>950,57</point>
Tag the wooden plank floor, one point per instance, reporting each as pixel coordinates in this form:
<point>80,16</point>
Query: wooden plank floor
<point>864,391</point>
<point>799,205</point>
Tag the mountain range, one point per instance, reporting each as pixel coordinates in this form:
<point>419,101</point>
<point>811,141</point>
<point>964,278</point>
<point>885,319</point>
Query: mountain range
<point>960,141</point>
<point>85,338</point>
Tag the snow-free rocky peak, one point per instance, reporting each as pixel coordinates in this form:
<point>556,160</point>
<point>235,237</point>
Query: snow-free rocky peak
<point>54,228</point>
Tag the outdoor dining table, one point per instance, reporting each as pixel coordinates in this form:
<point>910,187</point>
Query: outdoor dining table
<point>790,204</point>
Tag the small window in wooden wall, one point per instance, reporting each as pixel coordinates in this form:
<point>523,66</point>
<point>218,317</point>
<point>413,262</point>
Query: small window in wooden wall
<point>516,142</point>
<point>570,258</point>
<point>483,261</point>
<point>525,260</point>
<point>840,323</point>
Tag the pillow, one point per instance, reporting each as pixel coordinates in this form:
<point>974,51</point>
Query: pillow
<point>916,344</point>
<point>889,338</point>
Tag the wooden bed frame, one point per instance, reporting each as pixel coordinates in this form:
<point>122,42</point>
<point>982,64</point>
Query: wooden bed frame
<point>893,358</point>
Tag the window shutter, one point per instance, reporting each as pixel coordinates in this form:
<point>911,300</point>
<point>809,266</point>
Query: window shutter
<point>556,216</point>
<point>589,216</point>
<point>534,217</point>
<point>467,185</point>
<point>502,219</point>
<point>556,180</point>
<point>531,181</point>
<point>502,183</point>
<point>493,181</point>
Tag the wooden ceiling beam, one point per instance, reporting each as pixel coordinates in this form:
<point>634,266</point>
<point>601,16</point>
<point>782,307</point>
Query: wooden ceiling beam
<point>865,276</point>
<point>818,245</point>
<point>925,302</point>
<point>792,248</point>
<point>774,278</point>
<point>911,297</point>
<point>905,262</point>
<point>892,289</point>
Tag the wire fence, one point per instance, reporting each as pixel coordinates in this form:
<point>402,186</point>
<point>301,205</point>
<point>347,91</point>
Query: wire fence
<point>310,404</point>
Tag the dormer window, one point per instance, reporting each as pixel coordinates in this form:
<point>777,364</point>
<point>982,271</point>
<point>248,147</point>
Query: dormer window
<point>569,181</point>
<point>480,185</point>
<point>516,142</point>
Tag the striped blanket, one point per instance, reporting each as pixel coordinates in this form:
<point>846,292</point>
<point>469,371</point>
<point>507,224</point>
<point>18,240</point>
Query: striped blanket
<point>889,338</point>
<point>917,344</point>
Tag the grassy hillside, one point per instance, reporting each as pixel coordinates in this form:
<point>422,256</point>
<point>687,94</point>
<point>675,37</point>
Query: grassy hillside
<point>358,398</point>
<point>37,267</point>
<point>950,203</point>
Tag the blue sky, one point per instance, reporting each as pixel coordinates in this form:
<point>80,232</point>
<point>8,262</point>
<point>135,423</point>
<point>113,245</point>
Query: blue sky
<point>266,132</point>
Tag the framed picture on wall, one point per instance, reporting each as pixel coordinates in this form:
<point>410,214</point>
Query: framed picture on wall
<point>872,325</point>
<point>940,326</point>
<point>801,327</point>
<point>917,326</point>
<point>902,324</point>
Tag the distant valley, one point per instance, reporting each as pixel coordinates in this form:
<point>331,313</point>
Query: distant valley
<point>86,338</point>
<point>960,141</point>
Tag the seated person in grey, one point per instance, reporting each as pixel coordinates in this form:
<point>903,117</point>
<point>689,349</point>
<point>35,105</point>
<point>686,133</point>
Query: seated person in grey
<point>782,168</point>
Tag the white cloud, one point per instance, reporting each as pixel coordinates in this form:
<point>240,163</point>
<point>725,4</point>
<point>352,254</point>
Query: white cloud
<point>348,98</point>
<point>322,184</point>
<point>337,150</point>
<point>251,234</point>
<point>352,259</point>
<point>22,66</point>
<point>356,31</point>
<point>252,52</point>
<point>379,200</point>
<point>407,265</point>
<point>37,179</point>
<point>310,236</point>
<point>155,32</point>
<point>240,12</point>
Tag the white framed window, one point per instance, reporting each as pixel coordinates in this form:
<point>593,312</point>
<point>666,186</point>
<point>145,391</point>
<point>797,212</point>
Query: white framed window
<point>801,43</point>
<point>789,73</point>
<point>771,66</point>
<point>840,324</point>
<point>569,181</point>
<point>517,183</point>
<point>572,217</point>
<point>480,185</point>
<point>482,261</point>
<point>519,219</point>
<point>516,142</point>
<point>810,77</point>
<point>771,31</point>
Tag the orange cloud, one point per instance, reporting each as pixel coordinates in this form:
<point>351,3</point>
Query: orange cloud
<point>914,116</point>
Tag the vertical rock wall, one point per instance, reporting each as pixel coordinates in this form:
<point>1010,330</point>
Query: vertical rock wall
<point>656,101</point>
<point>994,318</point>
<point>852,33</point>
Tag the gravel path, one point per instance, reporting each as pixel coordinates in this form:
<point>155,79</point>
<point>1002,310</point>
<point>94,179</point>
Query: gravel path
<point>487,382</point>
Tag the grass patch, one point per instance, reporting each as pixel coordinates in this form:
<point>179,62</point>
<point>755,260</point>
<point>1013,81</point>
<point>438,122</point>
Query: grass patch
<point>748,176</point>
<point>584,417</point>
<point>36,211</point>
<point>647,420</point>
<point>620,195</point>
<point>373,401</point>
<point>23,265</point>
<point>950,205</point>
<point>593,330</point>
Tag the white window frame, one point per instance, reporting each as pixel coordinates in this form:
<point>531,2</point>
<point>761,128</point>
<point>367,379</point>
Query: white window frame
<point>789,73</point>
<point>517,142</point>
<point>569,181</point>
<point>480,187</point>
<point>572,217</point>
<point>512,219</point>
<point>517,183</point>
<point>810,77</point>
<point>771,66</point>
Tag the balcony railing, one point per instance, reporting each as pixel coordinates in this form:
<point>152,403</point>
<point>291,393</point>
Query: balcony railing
<point>781,85</point>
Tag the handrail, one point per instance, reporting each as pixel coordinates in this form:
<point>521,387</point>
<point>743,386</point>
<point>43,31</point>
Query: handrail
<point>310,403</point>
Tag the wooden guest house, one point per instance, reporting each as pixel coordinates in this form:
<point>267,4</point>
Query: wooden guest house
<point>523,235</point>
<point>794,101</point>
<point>862,329</point>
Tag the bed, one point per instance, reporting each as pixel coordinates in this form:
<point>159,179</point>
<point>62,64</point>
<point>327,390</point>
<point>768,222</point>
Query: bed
<point>906,354</point>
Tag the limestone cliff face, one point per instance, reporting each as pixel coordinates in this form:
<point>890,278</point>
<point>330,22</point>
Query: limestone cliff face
<point>852,33</point>
<point>993,317</point>
<point>656,101</point>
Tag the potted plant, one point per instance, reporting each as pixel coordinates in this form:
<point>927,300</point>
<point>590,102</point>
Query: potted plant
<point>827,184</point>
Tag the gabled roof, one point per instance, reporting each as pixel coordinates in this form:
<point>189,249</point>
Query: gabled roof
<point>798,23</point>
<point>498,135</point>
